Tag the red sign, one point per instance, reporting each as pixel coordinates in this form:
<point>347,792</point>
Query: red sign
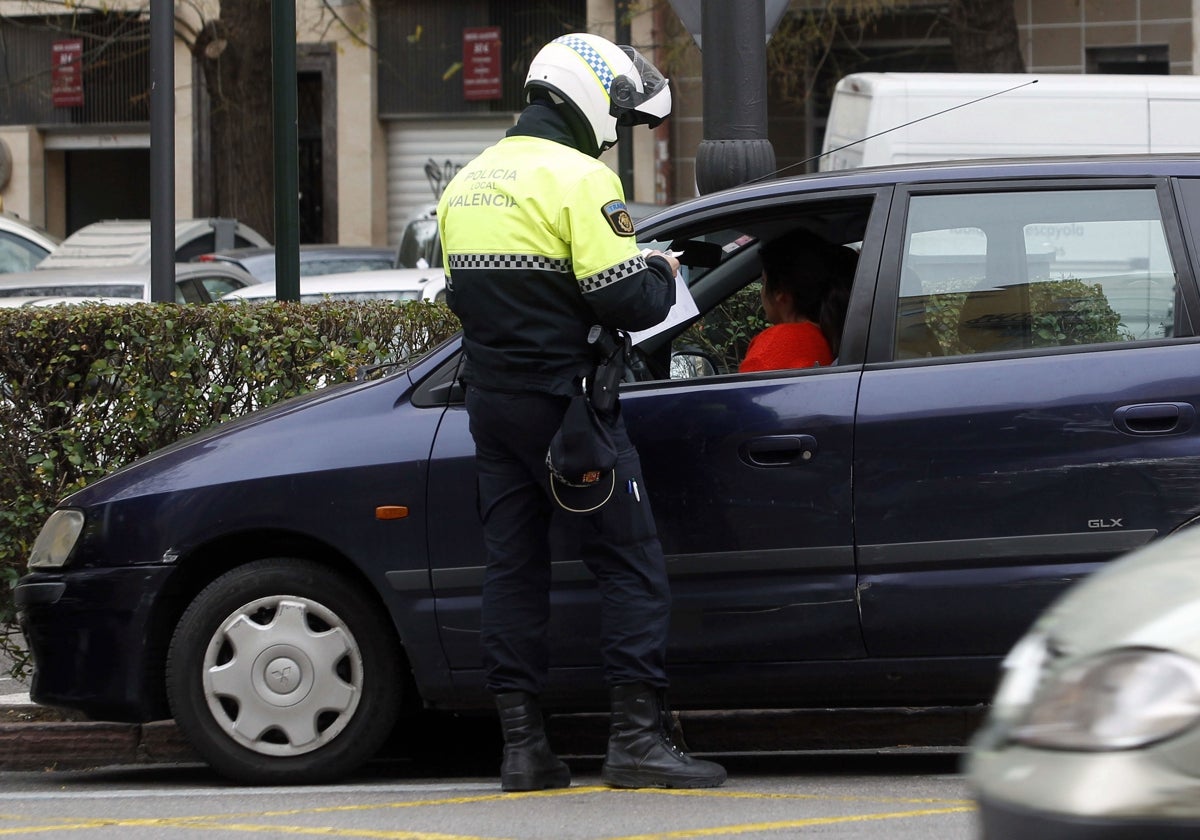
<point>66,73</point>
<point>481,63</point>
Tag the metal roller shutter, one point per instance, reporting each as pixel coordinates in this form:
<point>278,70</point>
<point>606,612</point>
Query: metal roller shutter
<point>423,155</point>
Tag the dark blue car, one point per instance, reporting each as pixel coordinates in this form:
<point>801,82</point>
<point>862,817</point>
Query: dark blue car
<point>1014,404</point>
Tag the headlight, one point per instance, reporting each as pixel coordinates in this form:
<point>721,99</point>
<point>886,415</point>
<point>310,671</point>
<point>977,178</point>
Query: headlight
<point>53,545</point>
<point>1117,700</point>
<point>1021,674</point>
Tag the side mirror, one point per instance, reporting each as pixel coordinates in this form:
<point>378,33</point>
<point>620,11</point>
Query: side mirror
<point>691,365</point>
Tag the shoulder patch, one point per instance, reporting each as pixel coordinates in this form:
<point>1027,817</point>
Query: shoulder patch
<point>617,215</point>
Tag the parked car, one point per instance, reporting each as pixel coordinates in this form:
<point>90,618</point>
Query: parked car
<point>1095,729</point>
<point>22,245</point>
<point>385,284</point>
<point>1013,406</point>
<point>62,300</point>
<point>314,259</point>
<point>127,242</point>
<point>420,246</point>
<point>194,283</point>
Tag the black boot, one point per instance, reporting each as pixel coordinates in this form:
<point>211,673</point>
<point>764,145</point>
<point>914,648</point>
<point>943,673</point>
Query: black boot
<point>529,763</point>
<point>641,752</point>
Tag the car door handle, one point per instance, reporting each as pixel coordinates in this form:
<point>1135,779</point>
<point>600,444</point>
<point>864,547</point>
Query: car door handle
<point>1155,418</point>
<point>778,450</point>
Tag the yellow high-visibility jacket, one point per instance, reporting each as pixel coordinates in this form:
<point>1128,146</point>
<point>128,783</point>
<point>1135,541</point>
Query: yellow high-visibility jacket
<point>538,246</point>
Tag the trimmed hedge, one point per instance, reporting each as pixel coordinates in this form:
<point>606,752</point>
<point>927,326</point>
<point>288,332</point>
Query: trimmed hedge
<point>86,389</point>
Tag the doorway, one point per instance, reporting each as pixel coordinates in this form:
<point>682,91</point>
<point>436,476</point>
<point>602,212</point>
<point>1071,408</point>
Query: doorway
<point>106,184</point>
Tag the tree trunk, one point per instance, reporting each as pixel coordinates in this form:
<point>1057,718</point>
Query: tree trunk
<point>983,37</point>
<point>235,54</point>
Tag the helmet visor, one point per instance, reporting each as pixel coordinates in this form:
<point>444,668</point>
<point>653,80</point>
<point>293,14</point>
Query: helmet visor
<point>644,99</point>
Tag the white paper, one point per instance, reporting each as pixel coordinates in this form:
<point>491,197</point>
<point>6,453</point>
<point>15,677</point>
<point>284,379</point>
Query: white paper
<point>684,309</point>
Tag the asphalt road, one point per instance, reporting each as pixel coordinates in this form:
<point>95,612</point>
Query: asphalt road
<point>901,796</point>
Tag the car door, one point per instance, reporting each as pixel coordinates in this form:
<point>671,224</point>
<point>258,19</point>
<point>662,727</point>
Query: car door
<point>1028,410</point>
<point>749,476</point>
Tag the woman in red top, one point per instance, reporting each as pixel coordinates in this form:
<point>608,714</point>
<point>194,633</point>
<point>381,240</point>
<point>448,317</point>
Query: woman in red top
<point>805,290</point>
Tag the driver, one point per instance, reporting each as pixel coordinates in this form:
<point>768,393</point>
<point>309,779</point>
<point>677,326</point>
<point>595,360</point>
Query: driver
<point>539,247</point>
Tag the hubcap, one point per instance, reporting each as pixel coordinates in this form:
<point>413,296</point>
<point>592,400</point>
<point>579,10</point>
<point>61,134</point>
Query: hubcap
<point>283,675</point>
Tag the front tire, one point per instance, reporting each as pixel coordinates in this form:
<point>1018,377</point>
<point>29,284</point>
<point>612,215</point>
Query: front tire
<point>284,672</point>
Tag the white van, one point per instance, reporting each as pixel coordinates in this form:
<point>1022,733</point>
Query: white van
<point>1039,114</point>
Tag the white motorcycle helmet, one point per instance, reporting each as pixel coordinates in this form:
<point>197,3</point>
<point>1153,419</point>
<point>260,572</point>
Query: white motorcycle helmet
<point>605,84</point>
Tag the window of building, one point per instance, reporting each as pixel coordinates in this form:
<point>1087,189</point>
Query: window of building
<point>421,50</point>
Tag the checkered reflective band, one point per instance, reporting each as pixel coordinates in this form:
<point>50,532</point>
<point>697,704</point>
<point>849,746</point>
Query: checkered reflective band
<point>611,275</point>
<point>506,262</point>
<point>588,53</point>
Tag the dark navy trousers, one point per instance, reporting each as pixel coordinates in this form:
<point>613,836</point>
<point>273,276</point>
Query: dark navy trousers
<point>512,432</point>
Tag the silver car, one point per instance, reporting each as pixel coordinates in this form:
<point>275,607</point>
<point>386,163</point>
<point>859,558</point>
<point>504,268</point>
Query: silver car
<point>194,283</point>
<point>1095,728</point>
<point>22,245</point>
<point>385,284</point>
<point>118,242</point>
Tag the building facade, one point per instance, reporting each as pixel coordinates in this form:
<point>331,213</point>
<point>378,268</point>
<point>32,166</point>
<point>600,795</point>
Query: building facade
<point>396,96</point>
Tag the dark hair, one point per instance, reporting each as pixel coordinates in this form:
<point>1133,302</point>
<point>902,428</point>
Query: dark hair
<point>817,274</point>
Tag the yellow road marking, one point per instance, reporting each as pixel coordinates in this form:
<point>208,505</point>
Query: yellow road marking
<point>750,828</point>
<point>220,822</point>
<point>217,825</point>
<point>324,831</point>
<point>749,794</point>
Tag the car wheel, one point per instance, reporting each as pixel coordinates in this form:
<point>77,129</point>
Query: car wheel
<point>283,672</point>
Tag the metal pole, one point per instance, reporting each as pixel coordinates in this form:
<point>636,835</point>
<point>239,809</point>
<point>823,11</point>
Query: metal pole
<point>735,148</point>
<point>162,151</point>
<point>287,155</point>
<point>624,34</point>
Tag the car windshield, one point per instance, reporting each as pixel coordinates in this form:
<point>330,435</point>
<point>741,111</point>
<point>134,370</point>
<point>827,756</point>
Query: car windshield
<point>311,268</point>
<point>418,244</point>
<point>122,290</point>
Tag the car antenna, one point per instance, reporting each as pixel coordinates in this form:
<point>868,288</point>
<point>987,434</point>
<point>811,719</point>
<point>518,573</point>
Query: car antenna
<point>893,128</point>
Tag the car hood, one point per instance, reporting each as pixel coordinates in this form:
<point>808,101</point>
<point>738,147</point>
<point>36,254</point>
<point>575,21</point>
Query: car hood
<point>272,441</point>
<point>1149,598</point>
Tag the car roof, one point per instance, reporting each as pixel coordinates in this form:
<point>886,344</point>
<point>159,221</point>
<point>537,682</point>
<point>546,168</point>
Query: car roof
<point>406,283</point>
<point>261,261</point>
<point>27,230</point>
<point>127,242</point>
<point>699,210</point>
<point>961,170</point>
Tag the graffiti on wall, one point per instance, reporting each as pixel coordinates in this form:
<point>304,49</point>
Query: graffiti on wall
<point>439,174</point>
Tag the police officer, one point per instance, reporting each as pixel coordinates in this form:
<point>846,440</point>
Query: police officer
<point>539,247</point>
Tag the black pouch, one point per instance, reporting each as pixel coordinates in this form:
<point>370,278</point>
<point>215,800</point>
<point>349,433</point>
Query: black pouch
<point>582,459</point>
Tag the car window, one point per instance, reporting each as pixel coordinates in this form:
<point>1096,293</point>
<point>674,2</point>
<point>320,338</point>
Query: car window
<point>419,245</point>
<point>90,290</point>
<point>312,268</point>
<point>723,269</point>
<point>996,272</point>
<point>18,255</point>
<point>219,286</point>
